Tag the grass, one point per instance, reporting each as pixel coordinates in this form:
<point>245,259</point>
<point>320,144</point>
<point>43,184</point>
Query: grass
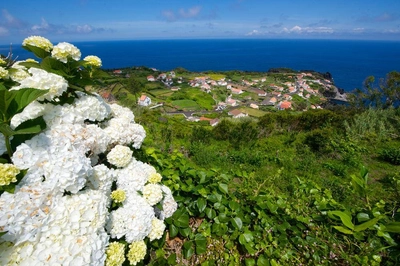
<point>216,76</point>
<point>253,112</point>
<point>186,105</point>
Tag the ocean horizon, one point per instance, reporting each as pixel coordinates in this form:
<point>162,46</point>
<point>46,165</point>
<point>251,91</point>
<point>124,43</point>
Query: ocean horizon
<point>349,61</point>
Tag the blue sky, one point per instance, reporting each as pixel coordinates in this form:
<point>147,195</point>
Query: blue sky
<point>81,20</point>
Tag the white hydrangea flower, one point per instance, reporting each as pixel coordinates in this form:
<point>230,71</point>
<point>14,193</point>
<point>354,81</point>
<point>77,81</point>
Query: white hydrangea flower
<point>72,233</point>
<point>120,156</point>
<point>17,65</point>
<point>157,229</point>
<point>3,73</point>
<point>95,139</point>
<point>42,80</point>
<point>132,220</point>
<point>133,177</point>
<point>101,179</point>
<point>152,193</point>
<point>93,60</point>
<point>169,205</point>
<point>64,51</point>
<point>59,114</point>
<point>91,107</point>
<point>38,41</point>
<point>52,155</point>
<point>18,75</point>
<point>32,152</point>
<point>125,113</point>
<point>86,138</point>
<point>124,133</point>
<point>23,213</point>
<point>67,170</point>
<point>31,111</point>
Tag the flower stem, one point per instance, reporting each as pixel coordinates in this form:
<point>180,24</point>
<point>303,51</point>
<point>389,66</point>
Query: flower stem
<point>8,146</point>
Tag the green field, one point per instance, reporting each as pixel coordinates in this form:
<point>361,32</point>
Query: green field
<point>253,112</point>
<point>186,105</point>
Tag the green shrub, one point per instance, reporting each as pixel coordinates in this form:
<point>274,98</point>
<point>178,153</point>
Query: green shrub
<point>391,155</point>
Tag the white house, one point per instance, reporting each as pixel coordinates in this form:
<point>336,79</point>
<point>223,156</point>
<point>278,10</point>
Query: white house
<point>236,113</point>
<point>144,100</point>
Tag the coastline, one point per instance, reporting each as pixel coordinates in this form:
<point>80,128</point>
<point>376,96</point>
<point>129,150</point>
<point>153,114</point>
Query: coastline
<point>350,62</point>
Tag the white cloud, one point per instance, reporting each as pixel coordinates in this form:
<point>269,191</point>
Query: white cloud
<point>3,31</point>
<point>307,30</point>
<point>44,26</point>
<point>169,15</point>
<point>296,29</point>
<point>190,13</point>
<point>11,21</point>
<point>358,29</point>
<point>182,13</point>
<point>84,28</point>
<point>253,33</point>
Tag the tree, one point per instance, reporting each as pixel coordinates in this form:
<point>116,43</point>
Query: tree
<point>134,86</point>
<point>384,95</point>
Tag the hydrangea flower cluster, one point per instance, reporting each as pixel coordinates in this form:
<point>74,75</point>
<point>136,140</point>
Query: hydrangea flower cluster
<point>42,80</point>
<point>64,51</point>
<point>38,41</point>
<point>93,60</point>
<point>8,173</point>
<point>61,211</point>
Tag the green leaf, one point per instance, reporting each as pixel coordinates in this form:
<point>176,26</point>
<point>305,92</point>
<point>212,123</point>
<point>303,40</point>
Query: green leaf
<point>181,219</point>
<point>23,97</point>
<point>234,205</point>
<point>52,65</point>
<point>172,259</point>
<point>237,223</point>
<point>272,207</point>
<point>223,218</point>
<point>201,244</point>
<point>39,52</point>
<point>343,230</point>
<point>344,217</point>
<point>366,225</point>
<point>362,217</point>
<point>219,229</point>
<point>250,262</point>
<point>210,213</point>
<point>246,238</point>
<point>393,227</point>
<point>173,231</point>
<point>188,249</point>
<point>31,127</point>
<point>5,100</point>
<point>262,261</point>
<point>30,64</point>
<point>201,204</point>
<point>223,188</point>
<point>185,231</point>
<point>249,249</point>
<point>273,262</point>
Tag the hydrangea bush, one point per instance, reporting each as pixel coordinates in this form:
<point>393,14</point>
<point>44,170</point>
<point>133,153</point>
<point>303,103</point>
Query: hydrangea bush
<point>72,194</point>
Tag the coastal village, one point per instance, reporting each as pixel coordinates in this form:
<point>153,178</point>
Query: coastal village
<point>248,96</point>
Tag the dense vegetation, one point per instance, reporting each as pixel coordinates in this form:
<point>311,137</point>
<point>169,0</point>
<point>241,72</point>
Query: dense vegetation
<point>319,187</point>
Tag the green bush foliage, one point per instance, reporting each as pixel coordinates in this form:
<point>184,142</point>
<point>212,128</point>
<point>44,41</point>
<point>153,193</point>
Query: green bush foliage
<point>391,155</point>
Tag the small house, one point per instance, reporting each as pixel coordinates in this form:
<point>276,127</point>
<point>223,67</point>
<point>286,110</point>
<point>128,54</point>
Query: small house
<point>144,100</point>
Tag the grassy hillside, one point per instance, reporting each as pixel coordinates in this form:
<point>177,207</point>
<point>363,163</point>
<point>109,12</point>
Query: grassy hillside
<point>319,187</point>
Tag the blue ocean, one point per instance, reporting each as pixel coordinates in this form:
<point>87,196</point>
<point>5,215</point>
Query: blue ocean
<point>349,62</point>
